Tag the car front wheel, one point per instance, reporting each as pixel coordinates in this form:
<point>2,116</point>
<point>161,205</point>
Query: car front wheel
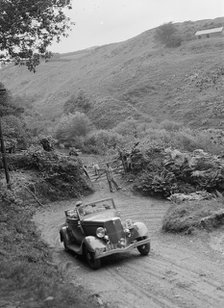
<point>91,260</point>
<point>144,249</point>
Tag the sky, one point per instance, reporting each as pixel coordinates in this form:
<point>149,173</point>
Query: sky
<point>100,22</point>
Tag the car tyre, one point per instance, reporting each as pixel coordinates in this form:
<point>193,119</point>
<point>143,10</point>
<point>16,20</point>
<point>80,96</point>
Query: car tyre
<point>91,260</point>
<point>144,249</point>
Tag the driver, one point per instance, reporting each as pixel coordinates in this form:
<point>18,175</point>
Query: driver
<point>79,206</point>
<point>107,206</point>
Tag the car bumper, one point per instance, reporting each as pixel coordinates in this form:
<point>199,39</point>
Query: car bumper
<point>100,254</point>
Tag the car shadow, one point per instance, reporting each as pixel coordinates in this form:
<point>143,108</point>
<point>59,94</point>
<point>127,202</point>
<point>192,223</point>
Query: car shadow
<point>111,261</point>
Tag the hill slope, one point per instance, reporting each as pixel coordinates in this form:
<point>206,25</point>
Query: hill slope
<point>183,84</point>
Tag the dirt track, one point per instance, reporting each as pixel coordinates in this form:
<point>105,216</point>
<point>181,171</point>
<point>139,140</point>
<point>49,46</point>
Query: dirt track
<point>181,271</point>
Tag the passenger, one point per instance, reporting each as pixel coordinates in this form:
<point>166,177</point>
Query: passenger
<point>96,169</point>
<point>110,178</point>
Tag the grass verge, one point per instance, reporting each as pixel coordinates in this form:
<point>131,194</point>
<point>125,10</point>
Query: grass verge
<point>187,216</point>
<point>28,278</point>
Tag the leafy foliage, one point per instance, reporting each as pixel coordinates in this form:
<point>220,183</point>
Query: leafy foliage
<point>79,103</point>
<point>167,171</point>
<point>128,127</point>
<point>7,104</point>
<point>72,126</point>
<point>187,216</point>
<point>26,267</point>
<point>47,143</point>
<point>28,27</point>
<point>170,125</point>
<point>159,184</point>
<point>167,35</point>
<point>13,126</point>
<point>59,176</point>
<point>108,111</point>
<point>100,141</point>
<point>15,129</point>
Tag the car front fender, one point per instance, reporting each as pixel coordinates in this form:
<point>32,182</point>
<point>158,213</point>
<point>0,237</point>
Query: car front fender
<point>63,233</point>
<point>92,242</point>
<point>141,229</point>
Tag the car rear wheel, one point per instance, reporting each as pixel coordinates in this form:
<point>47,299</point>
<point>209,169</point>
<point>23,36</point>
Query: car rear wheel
<point>91,260</point>
<point>144,249</point>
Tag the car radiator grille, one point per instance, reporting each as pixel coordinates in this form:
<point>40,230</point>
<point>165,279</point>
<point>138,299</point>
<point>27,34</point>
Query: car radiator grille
<point>114,230</point>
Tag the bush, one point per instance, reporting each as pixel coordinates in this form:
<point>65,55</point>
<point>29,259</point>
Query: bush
<point>158,136</point>
<point>27,273</point>
<point>167,35</point>
<point>15,130</point>
<point>108,112</point>
<point>77,103</point>
<point>127,128</point>
<point>8,106</point>
<point>100,141</point>
<point>132,128</point>
<point>192,214</point>
<point>186,141</point>
<point>72,126</point>
<point>170,125</point>
<point>159,183</point>
<point>59,176</point>
<point>165,171</point>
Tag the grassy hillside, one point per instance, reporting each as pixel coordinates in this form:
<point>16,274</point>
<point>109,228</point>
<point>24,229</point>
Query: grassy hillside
<point>147,80</point>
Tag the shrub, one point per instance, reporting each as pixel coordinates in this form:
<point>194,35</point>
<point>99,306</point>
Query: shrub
<point>72,126</point>
<point>158,136</point>
<point>14,129</point>
<point>101,141</point>
<point>167,35</point>
<point>159,183</point>
<point>8,105</point>
<point>186,141</point>
<point>170,125</point>
<point>132,128</point>
<point>59,176</point>
<point>108,112</point>
<point>77,103</point>
<point>191,214</point>
<point>127,128</point>
<point>27,273</point>
<point>211,141</point>
<point>166,171</point>
<point>47,143</point>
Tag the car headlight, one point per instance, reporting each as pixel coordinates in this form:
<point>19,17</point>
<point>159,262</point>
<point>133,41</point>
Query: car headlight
<point>127,232</point>
<point>122,242</point>
<point>100,232</point>
<point>129,224</point>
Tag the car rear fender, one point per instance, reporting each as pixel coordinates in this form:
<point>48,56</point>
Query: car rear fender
<point>63,233</point>
<point>141,229</point>
<point>92,242</point>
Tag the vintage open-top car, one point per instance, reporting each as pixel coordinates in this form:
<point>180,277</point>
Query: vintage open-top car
<point>95,230</point>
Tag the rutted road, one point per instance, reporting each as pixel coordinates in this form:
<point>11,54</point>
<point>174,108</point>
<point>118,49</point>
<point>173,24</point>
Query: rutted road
<point>180,271</point>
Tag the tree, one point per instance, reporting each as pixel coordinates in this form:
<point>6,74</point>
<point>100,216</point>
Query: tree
<point>28,27</point>
<point>15,130</point>
<point>72,126</point>
<point>167,34</point>
<point>7,105</point>
<point>80,102</point>
<point>13,126</point>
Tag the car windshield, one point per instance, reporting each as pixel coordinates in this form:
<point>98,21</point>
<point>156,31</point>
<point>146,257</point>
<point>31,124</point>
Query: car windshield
<point>96,207</point>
